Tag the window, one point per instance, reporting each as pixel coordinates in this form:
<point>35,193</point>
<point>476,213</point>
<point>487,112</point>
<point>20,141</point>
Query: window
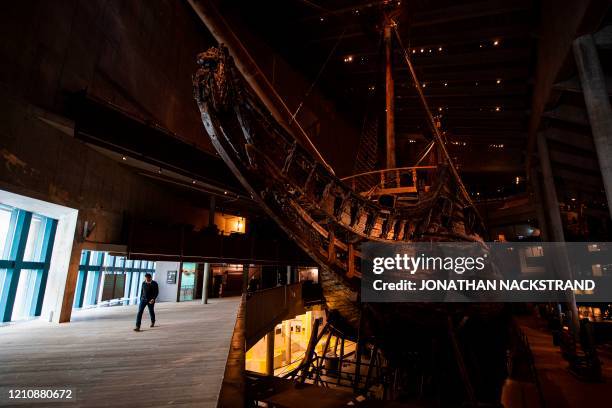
<point>109,278</point>
<point>26,243</point>
<point>5,224</point>
<point>26,291</point>
<point>35,239</point>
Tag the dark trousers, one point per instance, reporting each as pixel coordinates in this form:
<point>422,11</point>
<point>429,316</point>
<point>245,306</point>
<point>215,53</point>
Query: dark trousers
<point>141,307</point>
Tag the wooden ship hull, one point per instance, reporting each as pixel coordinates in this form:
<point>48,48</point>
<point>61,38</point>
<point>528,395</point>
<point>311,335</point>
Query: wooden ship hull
<point>327,217</point>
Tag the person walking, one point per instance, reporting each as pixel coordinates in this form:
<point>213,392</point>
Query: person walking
<point>148,294</point>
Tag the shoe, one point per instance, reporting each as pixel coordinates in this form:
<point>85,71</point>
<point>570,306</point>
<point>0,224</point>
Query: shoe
<point>152,324</point>
<point>136,328</point>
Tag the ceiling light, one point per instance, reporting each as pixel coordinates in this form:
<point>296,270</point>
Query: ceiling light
<point>496,43</point>
<point>498,81</point>
<point>193,181</point>
<point>439,48</point>
<point>497,108</point>
<point>446,84</point>
<point>123,158</point>
<point>422,49</point>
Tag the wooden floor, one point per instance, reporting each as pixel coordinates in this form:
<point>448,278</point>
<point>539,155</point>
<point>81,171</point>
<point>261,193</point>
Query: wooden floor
<point>560,388</point>
<point>179,363</point>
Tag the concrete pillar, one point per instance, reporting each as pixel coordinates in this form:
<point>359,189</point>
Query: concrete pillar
<point>205,283</point>
<point>270,353</point>
<point>598,106</point>
<point>71,282</point>
<point>178,282</point>
<point>550,193</point>
<point>287,337</point>
<point>555,224</point>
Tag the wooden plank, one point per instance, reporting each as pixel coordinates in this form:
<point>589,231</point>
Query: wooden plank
<point>331,248</point>
<point>180,362</point>
<point>233,390</point>
<point>351,262</point>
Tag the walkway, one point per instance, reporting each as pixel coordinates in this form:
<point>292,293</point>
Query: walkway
<point>179,363</point>
<point>560,387</point>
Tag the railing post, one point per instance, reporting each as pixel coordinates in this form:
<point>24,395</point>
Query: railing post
<point>270,353</point>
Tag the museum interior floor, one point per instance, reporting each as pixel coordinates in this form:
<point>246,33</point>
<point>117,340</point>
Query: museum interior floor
<point>180,362</point>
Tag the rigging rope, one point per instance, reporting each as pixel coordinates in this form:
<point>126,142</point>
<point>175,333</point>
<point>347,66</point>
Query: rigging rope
<point>431,121</point>
<point>318,75</point>
<point>426,151</point>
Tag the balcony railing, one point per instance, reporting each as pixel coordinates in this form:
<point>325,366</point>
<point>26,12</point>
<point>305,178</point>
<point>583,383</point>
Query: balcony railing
<point>397,181</point>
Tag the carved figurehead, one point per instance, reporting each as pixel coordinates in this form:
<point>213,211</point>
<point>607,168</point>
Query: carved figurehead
<point>210,82</point>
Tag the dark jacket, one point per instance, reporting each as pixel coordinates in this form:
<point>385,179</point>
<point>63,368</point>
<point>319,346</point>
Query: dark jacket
<point>149,291</point>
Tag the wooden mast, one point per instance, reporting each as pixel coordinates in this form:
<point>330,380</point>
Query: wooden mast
<point>389,96</point>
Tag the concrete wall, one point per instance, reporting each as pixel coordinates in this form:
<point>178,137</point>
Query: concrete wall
<point>45,163</point>
<point>138,55</point>
<point>167,292</point>
<point>39,161</point>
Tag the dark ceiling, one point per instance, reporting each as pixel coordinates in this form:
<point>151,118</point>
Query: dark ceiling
<point>475,59</point>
